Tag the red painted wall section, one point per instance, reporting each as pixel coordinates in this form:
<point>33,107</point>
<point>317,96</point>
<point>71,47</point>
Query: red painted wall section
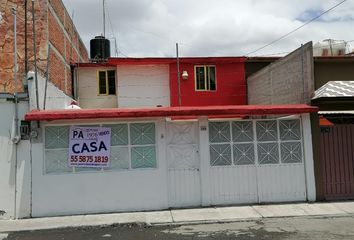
<point>230,85</point>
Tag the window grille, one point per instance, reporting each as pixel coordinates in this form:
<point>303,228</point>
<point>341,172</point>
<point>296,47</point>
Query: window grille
<point>133,145</point>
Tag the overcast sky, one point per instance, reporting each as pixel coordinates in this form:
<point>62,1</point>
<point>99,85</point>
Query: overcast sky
<point>145,28</point>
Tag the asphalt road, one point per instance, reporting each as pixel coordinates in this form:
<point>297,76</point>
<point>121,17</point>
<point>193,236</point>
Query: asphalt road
<point>284,228</point>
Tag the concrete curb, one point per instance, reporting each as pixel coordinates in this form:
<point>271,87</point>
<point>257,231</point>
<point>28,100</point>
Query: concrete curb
<point>185,216</point>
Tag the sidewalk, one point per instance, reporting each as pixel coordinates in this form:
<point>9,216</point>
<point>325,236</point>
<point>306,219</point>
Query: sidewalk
<point>200,215</point>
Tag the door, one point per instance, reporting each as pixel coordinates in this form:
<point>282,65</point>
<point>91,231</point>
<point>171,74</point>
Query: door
<point>183,164</point>
<point>337,160</point>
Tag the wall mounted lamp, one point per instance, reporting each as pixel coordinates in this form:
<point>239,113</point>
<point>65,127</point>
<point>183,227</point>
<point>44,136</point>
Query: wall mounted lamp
<point>185,75</point>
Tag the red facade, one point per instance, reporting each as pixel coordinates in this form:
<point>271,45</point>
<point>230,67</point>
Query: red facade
<point>230,82</point>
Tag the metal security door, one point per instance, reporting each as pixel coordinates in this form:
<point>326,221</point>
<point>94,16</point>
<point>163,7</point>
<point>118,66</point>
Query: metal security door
<point>183,164</point>
<point>337,160</point>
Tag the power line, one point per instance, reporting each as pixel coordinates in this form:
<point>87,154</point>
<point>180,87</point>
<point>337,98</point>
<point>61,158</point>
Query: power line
<point>303,25</point>
<point>117,50</point>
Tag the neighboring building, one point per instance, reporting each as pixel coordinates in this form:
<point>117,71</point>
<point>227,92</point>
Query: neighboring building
<point>151,82</point>
<point>334,84</point>
<point>54,27</point>
<point>302,78</point>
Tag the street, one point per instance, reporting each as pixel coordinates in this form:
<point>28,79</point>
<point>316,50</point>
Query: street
<point>280,228</point>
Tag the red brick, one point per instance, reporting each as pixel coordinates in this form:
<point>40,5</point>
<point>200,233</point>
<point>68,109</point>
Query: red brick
<point>44,20</point>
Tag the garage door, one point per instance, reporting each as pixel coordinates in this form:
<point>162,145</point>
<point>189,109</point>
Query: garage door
<point>256,161</point>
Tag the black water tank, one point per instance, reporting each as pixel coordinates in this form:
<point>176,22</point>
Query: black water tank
<point>100,48</point>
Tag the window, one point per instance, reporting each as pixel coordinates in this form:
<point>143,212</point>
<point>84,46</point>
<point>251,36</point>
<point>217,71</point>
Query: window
<point>255,142</point>
<point>133,146</point>
<point>205,78</point>
<point>107,82</point>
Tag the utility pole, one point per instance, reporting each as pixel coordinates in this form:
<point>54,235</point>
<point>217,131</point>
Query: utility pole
<point>104,18</point>
<point>35,54</point>
<point>178,77</point>
<point>26,47</point>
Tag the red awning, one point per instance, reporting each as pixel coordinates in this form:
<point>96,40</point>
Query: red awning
<point>118,113</point>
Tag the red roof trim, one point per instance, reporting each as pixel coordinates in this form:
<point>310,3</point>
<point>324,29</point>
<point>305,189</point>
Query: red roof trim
<point>112,62</point>
<point>249,110</point>
<point>137,61</point>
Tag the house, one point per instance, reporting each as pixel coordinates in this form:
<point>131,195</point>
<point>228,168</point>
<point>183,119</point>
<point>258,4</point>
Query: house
<point>146,138</point>
<point>325,82</point>
<point>208,148</point>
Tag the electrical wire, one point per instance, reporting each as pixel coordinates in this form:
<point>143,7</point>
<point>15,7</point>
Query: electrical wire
<point>117,50</point>
<point>296,29</point>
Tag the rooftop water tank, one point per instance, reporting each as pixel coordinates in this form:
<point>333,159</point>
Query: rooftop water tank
<point>330,47</point>
<point>100,49</point>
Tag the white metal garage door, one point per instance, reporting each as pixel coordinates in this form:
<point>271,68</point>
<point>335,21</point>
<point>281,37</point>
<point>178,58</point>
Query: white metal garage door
<point>183,164</point>
<point>256,161</point>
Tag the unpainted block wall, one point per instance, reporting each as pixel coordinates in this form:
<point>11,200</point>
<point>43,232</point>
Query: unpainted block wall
<point>290,80</point>
<point>53,27</point>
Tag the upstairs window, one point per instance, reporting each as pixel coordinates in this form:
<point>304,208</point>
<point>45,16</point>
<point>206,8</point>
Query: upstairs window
<point>107,82</point>
<point>205,78</point>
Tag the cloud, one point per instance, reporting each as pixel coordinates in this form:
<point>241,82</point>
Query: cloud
<point>210,28</point>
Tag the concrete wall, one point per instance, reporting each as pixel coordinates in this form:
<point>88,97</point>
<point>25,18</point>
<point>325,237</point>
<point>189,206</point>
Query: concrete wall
<point>55,99</point>
<point>143,86</point>
<point>53,27</point>
<point>13,204</point>
<point>87,89</point>
<point>287,81</point>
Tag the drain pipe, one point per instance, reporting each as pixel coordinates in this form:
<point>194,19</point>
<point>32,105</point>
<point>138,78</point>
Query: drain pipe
<point>15,139</point>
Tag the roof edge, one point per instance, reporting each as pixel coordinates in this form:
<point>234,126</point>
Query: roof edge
<point>118,113</point>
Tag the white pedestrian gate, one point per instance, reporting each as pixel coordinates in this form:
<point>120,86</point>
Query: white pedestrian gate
<point>183,164</point>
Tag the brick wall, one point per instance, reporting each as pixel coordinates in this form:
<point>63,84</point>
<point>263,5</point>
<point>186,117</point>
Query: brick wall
<point>289,80</point>
<point>53,26</point>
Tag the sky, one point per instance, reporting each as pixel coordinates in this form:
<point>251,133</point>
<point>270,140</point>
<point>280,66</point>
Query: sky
<point>151,28</point>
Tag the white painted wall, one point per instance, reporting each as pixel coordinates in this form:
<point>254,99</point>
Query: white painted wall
<point>8,180</point>
<point>87,89</point>
<point>56,99</point>
<point>98,192</point>
<point>144,189</point>
<point>308,156</point>
<point>143,86</point>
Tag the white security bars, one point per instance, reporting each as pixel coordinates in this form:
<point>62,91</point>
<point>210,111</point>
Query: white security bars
<point>133,146</point>
<point>235,143</point>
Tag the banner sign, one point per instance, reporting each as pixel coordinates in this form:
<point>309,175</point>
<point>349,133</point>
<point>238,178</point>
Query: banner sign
<point>89,147</point>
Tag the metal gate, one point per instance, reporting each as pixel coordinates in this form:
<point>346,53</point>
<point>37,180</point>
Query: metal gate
<point>184,187</point>
<point>337,160</point>
<point>256,161</point>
